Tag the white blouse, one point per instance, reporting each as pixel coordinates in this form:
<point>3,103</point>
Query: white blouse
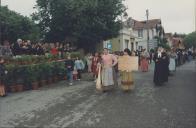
<point>159,54</point>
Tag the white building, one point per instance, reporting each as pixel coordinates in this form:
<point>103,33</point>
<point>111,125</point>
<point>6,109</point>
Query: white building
<point>142,28</point>
<point>134,35</point>
<point>124,40</point>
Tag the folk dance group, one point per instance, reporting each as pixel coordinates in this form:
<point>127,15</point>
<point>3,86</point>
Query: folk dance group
<point>107,77</point>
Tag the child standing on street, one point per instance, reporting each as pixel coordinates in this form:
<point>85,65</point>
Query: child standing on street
<point>69,63</point>
<point>79,65</point>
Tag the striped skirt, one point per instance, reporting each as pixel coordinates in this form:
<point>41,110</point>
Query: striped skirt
<point>107,78</point>
<point>127,80</point>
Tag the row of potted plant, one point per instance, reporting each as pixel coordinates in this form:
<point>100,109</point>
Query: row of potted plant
<point>34,59</point>
<point>33,76</point>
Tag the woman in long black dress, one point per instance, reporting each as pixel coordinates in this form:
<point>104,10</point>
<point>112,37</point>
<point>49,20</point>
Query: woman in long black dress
<point>161,70</point>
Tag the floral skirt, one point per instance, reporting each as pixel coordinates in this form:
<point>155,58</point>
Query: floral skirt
<point>127,80</point>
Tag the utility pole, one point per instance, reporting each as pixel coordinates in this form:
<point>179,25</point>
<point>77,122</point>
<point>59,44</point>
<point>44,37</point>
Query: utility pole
<point>147,15</point>
<point>0,24</point>
<point>195,15</point>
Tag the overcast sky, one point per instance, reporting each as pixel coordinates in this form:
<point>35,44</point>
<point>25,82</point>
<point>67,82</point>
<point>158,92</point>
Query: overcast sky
<point>176,15</point>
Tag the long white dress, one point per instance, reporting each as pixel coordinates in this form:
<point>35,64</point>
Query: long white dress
<point>172,63</point>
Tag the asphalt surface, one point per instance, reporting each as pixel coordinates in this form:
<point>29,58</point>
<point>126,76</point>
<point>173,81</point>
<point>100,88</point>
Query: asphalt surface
<point>81,106</point>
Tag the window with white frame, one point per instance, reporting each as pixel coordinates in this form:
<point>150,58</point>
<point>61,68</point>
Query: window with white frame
<point>126,43</point>
<point>140,48</point>
<point>152,33</point>
<point>136,45</point>
<point>140,33</point>
<point>132,46</point>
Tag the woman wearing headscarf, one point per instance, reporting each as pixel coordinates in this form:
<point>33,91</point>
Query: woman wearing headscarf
<point>172,62</point>
<point>144,61</point>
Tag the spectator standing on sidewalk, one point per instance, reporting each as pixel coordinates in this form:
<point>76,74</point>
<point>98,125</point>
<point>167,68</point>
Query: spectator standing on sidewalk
<point>69,64</point>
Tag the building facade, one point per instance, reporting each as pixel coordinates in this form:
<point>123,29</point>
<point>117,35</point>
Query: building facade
<point>136,35</point>
<point>124,40</point>
<point>146,32</point>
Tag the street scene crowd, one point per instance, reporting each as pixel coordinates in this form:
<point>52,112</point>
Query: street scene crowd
<point>103,65</point>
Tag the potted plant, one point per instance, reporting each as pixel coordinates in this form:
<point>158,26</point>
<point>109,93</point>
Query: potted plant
<point>33,72</point>
<point>2,85</point>
<point>10,78</point>
<point>55,71</point>
<point>50,73</point>
<point>19,78</point>
<point>61,70</point>
<point>43,71</point>
<point>28,59</point>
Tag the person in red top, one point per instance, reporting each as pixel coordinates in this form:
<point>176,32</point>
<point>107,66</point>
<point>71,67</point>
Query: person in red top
<point>95,60</point>
<point>54,50</point>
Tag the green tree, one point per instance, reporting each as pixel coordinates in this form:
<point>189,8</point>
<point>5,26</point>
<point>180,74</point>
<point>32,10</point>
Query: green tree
<point>14,25</point>
<point>85,22</point>
<point>190,40</point>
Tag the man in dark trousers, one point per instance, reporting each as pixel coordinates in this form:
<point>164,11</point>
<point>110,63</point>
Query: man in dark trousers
<point>69,64</point>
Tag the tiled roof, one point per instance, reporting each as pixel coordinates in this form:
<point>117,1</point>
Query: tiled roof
<point>144,24</point>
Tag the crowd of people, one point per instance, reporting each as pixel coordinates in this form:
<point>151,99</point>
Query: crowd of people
<point>104,66</point>
<point>165,62</point>
<point>21,47</point>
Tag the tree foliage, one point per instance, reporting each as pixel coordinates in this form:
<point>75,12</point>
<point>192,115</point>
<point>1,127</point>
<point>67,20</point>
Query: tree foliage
<point>84,22</point>
<point>14,25</point>
<point>190,40</point>
<point>162,42</point>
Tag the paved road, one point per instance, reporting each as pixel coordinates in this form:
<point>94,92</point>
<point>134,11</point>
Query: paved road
<point>80,106</point>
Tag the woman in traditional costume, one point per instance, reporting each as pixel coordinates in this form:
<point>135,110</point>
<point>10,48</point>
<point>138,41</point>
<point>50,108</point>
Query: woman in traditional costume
<point>144,61</point>
<point>172,62</point>
<point>96,59</point>
<point>89,62</point>
<point>107,75</point>
<point>125,73</point>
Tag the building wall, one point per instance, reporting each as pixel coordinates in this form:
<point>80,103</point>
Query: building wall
<point>134,42</point>
<point>115,44</point>
<point>142,41</point>
<point>119,43</point>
